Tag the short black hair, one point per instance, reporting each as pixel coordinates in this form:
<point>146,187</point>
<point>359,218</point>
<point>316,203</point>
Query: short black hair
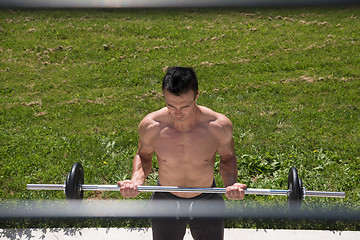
<point>180,80</point>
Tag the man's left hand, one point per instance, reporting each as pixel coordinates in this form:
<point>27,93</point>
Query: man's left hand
<point>236,191</point>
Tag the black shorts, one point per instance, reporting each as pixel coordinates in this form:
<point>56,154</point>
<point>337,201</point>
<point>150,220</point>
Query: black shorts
<point>175,228</point>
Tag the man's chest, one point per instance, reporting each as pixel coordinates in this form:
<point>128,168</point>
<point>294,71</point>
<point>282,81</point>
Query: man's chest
<point>172,145</point>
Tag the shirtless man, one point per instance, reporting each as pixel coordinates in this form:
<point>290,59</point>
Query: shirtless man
<point>185,138</point>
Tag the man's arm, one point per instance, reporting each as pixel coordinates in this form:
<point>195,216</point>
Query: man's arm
<point>142,162</point>
<point>228,160</point>
<point>141,168</point>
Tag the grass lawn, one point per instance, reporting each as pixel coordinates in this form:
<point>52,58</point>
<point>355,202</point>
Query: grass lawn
<point>75,84</point>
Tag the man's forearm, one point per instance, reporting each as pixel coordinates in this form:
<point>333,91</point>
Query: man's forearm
<point>141,169</point>
<point>228,171</point>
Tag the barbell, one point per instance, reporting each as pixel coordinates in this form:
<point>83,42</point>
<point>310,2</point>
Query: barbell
<point>74,188</point>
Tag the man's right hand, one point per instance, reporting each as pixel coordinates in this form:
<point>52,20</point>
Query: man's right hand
<point>128,188</point>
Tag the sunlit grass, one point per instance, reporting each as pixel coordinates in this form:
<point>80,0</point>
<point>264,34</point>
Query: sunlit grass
<point>74,85</point>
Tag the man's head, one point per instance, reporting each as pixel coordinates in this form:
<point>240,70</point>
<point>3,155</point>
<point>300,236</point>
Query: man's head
<point>180,80</point>
<point>180,88</point>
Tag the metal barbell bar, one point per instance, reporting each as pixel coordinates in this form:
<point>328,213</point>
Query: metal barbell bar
<point>74,187</point>
<point>249,191</point>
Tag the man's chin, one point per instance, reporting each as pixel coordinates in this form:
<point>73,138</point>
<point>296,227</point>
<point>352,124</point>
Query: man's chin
<point>179,118</point>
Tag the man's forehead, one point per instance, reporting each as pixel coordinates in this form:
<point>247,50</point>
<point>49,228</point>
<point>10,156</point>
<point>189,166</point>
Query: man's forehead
<point>188,94</point>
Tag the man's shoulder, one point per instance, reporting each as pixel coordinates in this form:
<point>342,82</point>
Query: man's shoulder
<point>215,118</point>
<point>152,120</point>
<point>218,123</point>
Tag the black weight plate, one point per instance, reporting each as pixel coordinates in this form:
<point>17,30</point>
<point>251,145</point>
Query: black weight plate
<point>295,190</point>
<point>73,181</point>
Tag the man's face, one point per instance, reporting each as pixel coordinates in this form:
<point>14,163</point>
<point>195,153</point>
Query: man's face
<point>180,106</point>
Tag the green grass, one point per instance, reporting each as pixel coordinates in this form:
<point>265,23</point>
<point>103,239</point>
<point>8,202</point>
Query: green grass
<point>74,85</point>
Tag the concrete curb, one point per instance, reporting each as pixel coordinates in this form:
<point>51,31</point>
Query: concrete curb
<point>145,233</point>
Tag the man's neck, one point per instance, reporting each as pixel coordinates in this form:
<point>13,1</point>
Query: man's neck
<point>189,123</point>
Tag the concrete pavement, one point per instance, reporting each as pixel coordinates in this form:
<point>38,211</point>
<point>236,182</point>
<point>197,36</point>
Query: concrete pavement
<point>145,233</point>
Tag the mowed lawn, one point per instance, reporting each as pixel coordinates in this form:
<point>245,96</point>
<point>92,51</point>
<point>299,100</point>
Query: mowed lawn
<point>75,84</point>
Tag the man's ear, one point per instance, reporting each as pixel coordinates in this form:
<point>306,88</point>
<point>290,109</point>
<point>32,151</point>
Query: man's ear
<point>196,96</point>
